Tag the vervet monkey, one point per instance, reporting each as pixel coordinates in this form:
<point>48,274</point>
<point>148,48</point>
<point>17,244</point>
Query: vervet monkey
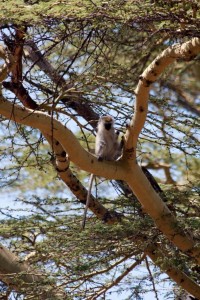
<point>106,147</point>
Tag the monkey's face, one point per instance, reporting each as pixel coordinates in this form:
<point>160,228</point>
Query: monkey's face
<point>108,126</point>
<point>108,122</point>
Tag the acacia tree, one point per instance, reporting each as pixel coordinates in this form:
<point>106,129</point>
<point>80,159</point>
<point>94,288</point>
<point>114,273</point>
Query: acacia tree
<point>75,61</point>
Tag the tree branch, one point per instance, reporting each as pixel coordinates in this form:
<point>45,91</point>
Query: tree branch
<point>160,213</point>
<point>117,170</point>
<point>80,105</point>
<point>69,142</point>
<point>76,187</point>
<point>63,165</point>
<point>123,169</point>
<point>186,51</point>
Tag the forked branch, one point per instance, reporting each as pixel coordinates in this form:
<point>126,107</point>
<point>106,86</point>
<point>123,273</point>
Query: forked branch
<point>186,51</point>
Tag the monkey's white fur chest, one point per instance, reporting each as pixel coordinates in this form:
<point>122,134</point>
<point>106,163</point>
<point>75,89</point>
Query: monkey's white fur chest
<point>106,146</point>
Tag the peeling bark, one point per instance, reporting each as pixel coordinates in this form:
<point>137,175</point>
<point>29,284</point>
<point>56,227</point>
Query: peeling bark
<point>125,169</point>
<point>185,51</point>
<point>63,165</point>
<point>133,174</point>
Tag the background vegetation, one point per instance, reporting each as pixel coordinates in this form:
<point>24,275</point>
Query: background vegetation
<point>77,60</point>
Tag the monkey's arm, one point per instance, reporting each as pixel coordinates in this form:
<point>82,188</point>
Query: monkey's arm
<point>100,150</point>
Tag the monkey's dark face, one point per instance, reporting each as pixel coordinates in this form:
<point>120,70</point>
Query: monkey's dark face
<point>108,125</point>
<point>107,121</point>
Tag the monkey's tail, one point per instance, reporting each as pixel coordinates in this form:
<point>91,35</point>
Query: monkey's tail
<point>87,201</point>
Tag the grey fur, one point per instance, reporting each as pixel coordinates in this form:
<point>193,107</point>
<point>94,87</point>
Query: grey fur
<point>106,147</point>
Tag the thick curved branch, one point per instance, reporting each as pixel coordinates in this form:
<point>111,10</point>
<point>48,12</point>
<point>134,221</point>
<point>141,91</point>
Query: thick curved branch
<point>160,213</point>
<point>63,166</point>
<point>52,127</point>
<point>186,51</point>
<point>131,173</point>
<point>117,170</point>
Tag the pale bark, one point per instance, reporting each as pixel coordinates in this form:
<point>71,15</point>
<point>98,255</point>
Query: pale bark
<point>76,187</point>
<point>125,169</point>
<point>52,127</point>
<point>131,173</point>
<point>63,164</point>
<point>185,51</point>
<point>10,265</point>
<point>160,213</point>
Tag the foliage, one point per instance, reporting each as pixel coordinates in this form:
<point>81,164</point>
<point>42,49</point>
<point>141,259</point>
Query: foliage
<point>89,57</point>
